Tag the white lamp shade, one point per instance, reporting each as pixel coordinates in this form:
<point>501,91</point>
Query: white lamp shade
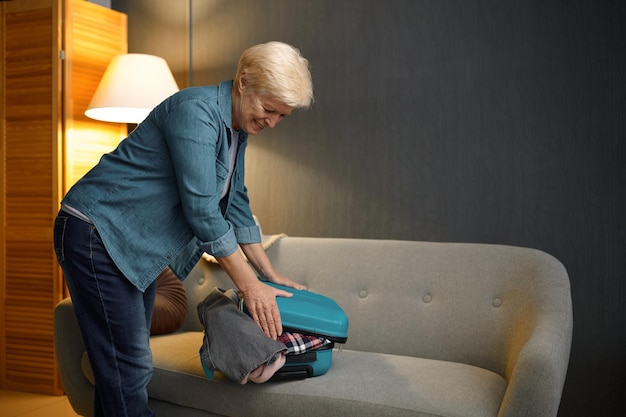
<point>131,87</point>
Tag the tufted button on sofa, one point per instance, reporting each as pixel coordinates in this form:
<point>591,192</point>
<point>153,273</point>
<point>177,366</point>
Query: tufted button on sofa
<point>436,329</point>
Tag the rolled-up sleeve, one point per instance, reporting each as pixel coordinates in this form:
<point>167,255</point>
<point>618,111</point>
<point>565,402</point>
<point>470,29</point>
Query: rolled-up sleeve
<point>222,246</point>
<point>248,234</point>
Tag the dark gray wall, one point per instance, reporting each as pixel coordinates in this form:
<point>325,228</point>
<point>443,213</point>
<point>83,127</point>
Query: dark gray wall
<point>478,121</point>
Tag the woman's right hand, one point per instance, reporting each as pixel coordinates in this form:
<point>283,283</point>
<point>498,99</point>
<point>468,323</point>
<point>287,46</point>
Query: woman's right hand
<point>260,298</point>
<point>261,304</point>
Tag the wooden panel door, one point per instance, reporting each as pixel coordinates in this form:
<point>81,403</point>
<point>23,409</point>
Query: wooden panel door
<point>30,277</point>
<point>52,57</point>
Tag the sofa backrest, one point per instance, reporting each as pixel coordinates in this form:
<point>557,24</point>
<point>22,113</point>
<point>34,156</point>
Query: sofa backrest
<point>467,303</point>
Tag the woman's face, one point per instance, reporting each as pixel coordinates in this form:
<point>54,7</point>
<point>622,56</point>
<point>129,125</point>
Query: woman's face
<point>253,113</point>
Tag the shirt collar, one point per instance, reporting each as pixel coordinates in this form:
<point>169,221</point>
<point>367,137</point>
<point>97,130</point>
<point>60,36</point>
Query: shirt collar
<point>225,103</point>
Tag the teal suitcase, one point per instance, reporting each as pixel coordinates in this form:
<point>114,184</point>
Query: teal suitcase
<point>312,314</point>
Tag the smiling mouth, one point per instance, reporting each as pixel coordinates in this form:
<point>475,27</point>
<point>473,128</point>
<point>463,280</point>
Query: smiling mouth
<point>259,125</point>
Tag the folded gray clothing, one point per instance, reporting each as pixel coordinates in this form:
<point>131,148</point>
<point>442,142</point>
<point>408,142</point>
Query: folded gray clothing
<point>233,343</point>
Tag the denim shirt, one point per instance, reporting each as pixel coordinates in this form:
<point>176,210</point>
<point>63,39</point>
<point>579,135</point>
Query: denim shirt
<point>155,199</point>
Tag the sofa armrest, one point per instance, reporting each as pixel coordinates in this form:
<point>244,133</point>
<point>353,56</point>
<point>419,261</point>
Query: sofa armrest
<point>537,368</point>
<point>69,349</point>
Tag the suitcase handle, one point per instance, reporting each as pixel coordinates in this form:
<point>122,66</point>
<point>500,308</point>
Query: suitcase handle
<point>293,373</point>
<point>310,356</point>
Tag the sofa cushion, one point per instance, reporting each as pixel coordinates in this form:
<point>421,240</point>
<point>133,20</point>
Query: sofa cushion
<point>358,383</point>
<point>170,304</point>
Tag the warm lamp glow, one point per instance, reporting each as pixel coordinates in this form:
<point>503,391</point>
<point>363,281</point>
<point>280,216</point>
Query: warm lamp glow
<point>131,87</point>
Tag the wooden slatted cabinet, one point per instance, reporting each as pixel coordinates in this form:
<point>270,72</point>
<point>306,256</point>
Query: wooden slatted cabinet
<point>53,55</point>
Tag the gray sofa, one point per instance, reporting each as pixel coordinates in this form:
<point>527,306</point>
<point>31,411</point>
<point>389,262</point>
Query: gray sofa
<point>436,329</point>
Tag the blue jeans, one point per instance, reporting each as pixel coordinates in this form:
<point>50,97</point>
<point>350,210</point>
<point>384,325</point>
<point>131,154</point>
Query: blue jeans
<point>114,318</point>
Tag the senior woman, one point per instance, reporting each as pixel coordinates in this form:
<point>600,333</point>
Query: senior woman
<point>174,188</point>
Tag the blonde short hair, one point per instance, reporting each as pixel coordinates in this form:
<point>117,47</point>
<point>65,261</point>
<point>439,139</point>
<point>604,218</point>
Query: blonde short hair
<point>277,70</point>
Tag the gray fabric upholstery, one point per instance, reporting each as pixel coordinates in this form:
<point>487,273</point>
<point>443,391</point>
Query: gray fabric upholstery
<point>412,386</point>
<point>436,329</point>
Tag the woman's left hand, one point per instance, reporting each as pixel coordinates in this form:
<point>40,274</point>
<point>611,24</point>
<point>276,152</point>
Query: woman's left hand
<point>283,280</point>
<point>261,263</point>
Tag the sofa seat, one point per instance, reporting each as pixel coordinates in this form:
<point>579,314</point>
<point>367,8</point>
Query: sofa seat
<point>412,386</point>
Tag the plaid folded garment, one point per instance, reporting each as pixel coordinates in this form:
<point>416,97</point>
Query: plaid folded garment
<point>298,343</point>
